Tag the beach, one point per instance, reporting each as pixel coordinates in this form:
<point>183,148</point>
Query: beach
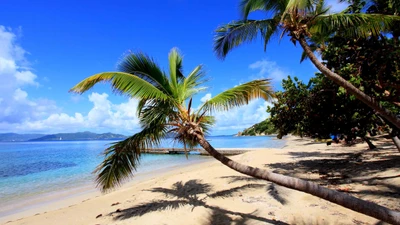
<point>211,193</point>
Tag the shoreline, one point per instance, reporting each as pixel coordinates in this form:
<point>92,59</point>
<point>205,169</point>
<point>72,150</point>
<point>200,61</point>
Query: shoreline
<point>227,197</point>
<point>66,198</point>
<point>38,202</point>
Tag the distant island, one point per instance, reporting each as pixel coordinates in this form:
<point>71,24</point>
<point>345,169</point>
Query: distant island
<point>79,136</point>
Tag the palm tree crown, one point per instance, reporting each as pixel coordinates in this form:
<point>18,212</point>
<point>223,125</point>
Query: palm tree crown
<point>165,106</point>
<point>297,19</point>
<point>305,21</point>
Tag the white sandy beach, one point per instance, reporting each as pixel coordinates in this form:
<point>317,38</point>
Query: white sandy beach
<point>210,193</point>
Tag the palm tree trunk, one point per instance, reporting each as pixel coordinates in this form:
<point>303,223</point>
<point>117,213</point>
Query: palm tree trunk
<point>349,87</point>
<point>343,199</point>
<point>396,142</point>
<point>395,138</point>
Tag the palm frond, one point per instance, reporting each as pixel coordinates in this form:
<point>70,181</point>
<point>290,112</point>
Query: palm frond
<point>179,70</point>
<point>146,68</point>
<point>239,95</point>
<point>302,5</point>
<point>248,6</point>
<point>321,8</point>
<point>352,25</point>
<point>175,67</point>
<point>122,158</point>
<point>269,31</point>
<point>122,83</point>
<point>192,82</point>
<point>156,112</point>
<point>206,122</point>
<point>236,33</point>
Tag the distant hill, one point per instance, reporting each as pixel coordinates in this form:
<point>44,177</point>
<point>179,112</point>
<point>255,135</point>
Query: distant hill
<point>18,137</point>
<point>264,128</point>
<point>80,136</point>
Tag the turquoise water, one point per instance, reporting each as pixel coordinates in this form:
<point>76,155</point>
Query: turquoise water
<point>31,169</point>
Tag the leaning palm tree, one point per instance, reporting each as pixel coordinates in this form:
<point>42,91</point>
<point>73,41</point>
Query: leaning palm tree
<point>165,107</point>
<point>304,21</point>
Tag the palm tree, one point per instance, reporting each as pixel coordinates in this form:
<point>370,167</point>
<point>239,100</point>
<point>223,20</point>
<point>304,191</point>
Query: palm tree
<point>165,107</point>
<point>387,7</point>
<point>304,21</point>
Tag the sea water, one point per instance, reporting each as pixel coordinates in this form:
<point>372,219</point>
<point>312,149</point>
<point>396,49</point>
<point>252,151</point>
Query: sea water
<point>29,170</point>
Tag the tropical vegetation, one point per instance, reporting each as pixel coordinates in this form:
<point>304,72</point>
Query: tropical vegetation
<point>309,24</point>
<point>370,64</point>
<point>165,107</point>
<point>265,127</point>
<point>321,110</point>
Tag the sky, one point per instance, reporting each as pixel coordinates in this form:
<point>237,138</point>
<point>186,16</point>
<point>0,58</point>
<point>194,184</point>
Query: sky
<point>46,47</point>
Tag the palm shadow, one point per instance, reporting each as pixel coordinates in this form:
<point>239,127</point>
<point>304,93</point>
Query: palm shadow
<point>187,194</point>
<point>339,168</point>
<point>349,168</point>
<point>270,187</point>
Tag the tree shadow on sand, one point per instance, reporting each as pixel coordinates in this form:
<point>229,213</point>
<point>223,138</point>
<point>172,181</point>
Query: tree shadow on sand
<point>358,167</point>
<point>187,194</point>
<point>270,187</point>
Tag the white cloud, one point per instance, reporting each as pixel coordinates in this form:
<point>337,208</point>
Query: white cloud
<point>107,115</point>
<point>268,69</point>
<point>20,95</point>
<point>239,118</point>
<point>26,77</point>
<point>206,97</point>
<point>16,106</point>
<point>103,117</point>
<point>20,113</point>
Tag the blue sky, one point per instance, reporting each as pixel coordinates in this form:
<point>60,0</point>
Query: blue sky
<point>46,47</point>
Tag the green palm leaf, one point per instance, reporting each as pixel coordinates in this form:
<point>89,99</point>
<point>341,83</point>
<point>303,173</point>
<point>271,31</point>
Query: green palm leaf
<point>122,158</point>
<point>248,6</point>
<point>239,95</point>
<point>190,85</point>
<point>302,5</point>
<point>144,67</point>
<point>156,112</point>
<point>234,34</point>
<point>175,67</point>
<point>298,18</point>
<point>122,83</point>
<point>206,122</point>
<point>352,25</point>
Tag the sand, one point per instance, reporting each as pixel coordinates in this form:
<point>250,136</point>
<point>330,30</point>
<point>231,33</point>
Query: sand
<point>210,193</point>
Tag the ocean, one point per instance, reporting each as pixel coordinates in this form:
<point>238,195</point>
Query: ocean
<point>31,170</point>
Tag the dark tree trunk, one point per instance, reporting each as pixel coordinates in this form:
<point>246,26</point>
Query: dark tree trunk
<point>370,145</point>
<point>392,118</point>
<point>395,137</point>
<point>343,199</point>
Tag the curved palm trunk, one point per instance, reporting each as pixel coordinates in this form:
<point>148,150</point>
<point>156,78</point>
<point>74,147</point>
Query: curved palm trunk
<point>349,87</point>
<point>396,142</point>
<point>345,200</point>
<point>395,138</point>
